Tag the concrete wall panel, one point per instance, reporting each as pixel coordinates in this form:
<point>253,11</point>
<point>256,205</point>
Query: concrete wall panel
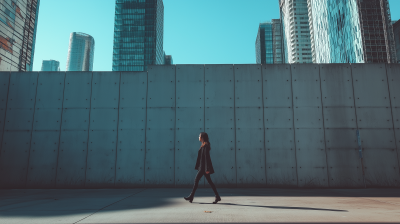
<point>161,86</point>
<point>47,119</point>
<point>248,86</point>
<point>71,167</point>
<point>50,90</point>
<point>377,138</point>
<point>131,130</point>
<point>250,154</point>
<point>219,85</point>
<point>278,117</point>
<point>308,117</point>
<point>396,117</point>
<point>103,130</point>
<point>14,159</point>
<point>190,86</point>
<point>43,159</point>
<point>280,157</point>
<point>21,101</point>
<point>77,90</point>
<point>189,120</point>
<point>381,167</point>
<point>160,138</point>
<point>370,85</point>
<point>339,117</point>
<point>311,158</point>
<point>306,85</point>
<point>101,158</point>
<point>4,80</point>
<point>374,117</point>
<point>380,157</point>
<point>344,165</point>
<point>220,122</point>
<point>344,168</point>
<point>17,130</point>
<point>19,119</point>
<point>46,130</point>
<point>105,89</point>
<point>133,89</point>
<point>341,138</point>
<point>22,90</point>
<point>130,158</point>
<point>277,89</point>
<point>75,119</point>
<point>393,75</point>
<point>336,85</point>
<point>104,119</point>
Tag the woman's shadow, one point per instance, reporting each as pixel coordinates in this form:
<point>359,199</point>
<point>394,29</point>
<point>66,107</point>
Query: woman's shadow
<point>280,207</point>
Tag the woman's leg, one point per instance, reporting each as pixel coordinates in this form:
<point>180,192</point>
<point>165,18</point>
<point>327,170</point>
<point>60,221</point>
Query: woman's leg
<point>208,177</point>
<point>196,182</point>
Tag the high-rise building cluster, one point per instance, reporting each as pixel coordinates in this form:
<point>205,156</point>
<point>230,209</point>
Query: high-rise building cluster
<point>308,31</point>
<point>332,31</point>
<point>138,38</point>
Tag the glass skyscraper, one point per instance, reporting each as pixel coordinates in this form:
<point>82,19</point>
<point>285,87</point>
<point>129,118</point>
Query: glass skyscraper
<point>138,34</point>
<point>296,31</point>
<point>351,31</point>
<point>396,32</point>
<point>168,60</point>
<point>18,25</point>
<point>50,65</point>
<point>269,43</point>
<point>80,52</point>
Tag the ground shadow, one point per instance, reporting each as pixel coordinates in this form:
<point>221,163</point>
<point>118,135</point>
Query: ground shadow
<point>281,207</point>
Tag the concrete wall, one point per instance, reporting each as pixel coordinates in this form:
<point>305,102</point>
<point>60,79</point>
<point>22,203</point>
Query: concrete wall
<point>269,126</point>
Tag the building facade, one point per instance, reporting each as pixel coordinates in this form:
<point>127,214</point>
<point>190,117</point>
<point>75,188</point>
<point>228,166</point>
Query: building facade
<point>50,65</point>
<point>168,60</point>
<point>80,52</point>
<point>296,31</point>
<point>351,31</point>
<point>138,34</point>
<point>18,26</point>
<point>269,43</point>
<point>396,32</point>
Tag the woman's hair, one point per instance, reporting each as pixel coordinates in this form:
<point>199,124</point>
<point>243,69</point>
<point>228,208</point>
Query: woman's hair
<point>204,136</point>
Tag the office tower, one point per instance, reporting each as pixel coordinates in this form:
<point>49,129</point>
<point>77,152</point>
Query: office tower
<point>269,43</point>
<point>168,60</point>
<point>50,65</point>
<point>351,31</point>
<point>296,31</point>
<point>138,34</point>
<point>396,32</point>
<point>80,52</point>
<point>18,25</point>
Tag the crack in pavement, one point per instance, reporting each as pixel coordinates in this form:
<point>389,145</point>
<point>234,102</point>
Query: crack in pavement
<point>109,206</point>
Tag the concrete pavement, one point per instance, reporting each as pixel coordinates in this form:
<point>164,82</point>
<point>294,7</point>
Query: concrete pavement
<point>166,205</point>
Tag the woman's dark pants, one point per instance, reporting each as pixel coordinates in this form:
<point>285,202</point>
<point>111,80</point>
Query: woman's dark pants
<point>197,179</point>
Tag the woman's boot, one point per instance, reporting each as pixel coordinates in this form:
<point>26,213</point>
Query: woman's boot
<point>189,198</point>
<point>217,199</point>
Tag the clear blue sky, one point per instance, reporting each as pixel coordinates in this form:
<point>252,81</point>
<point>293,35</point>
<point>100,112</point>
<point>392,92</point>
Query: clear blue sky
<point>195,31</point>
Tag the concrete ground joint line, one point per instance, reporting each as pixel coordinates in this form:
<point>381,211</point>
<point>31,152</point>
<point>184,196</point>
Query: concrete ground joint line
<point>109,205</point>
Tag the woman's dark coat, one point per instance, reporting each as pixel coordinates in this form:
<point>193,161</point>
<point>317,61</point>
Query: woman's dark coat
<point>208,165</point>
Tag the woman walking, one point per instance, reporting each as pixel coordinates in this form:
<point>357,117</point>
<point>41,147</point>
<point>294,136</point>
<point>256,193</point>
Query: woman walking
<point>204,167</point>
